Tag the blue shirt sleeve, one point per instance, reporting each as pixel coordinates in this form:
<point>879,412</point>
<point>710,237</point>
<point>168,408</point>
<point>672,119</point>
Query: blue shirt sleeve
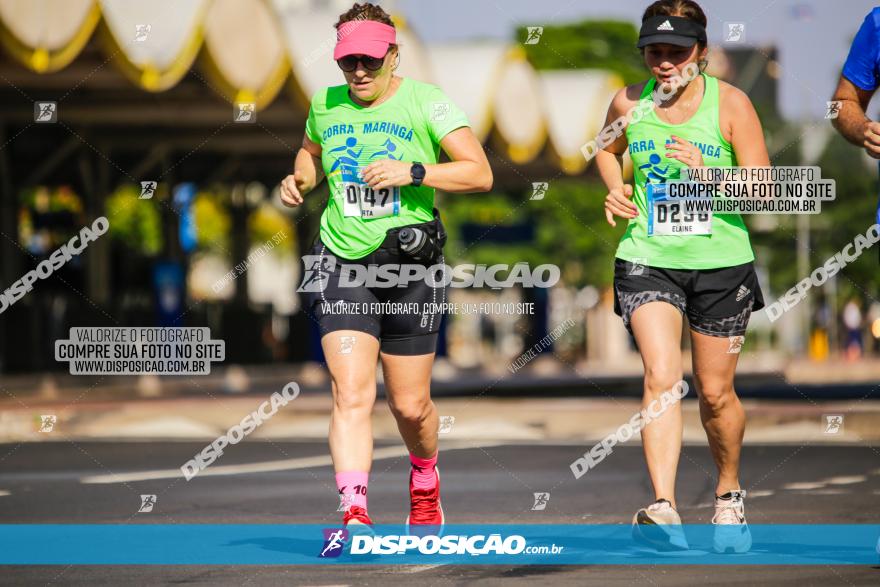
<point>861,67</point>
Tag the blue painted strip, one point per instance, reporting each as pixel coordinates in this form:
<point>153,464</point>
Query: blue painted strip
<point>251,544</point>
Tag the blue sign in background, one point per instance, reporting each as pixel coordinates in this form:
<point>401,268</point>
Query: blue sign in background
<point>184,196</point>
<point>250,544</point>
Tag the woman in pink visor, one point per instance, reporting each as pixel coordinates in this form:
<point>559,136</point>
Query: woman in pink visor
<point>376,277</point>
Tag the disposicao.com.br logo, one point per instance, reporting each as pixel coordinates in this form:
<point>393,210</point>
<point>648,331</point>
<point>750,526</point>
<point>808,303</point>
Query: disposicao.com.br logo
<point>452,544</point>
<point>334,542</point>
<point>319,270</point>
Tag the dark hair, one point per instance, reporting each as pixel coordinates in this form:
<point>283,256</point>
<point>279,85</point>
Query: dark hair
<point>365,11</point>
<point>684,8</point>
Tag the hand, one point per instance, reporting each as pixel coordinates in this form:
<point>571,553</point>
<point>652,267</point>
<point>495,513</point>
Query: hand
<point>291,189</point>
<point>686,152</point>
<point>618,202</point>
<point>387,173</point>
<point>872,139</point>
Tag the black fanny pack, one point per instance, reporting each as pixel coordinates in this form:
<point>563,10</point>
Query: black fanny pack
<point>422,242</point>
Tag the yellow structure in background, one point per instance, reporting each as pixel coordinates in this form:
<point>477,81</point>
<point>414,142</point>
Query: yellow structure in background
<point>45,44</point>
<point>248,50</point>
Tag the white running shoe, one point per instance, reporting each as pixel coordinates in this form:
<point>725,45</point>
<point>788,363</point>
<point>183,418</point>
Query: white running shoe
<point>659,526</point>
<point>731,531</point>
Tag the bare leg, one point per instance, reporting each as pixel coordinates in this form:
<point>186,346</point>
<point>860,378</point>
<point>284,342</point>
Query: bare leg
<point>720,409</point>
<point>353,376</point>
<point>408,382</point>
<point>657,330</point>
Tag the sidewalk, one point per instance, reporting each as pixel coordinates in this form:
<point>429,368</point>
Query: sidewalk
<point>576,420</point>
<point>763,376</point>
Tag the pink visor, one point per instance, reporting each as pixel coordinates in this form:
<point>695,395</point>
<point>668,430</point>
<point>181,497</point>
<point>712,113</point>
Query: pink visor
<point>364,37</point>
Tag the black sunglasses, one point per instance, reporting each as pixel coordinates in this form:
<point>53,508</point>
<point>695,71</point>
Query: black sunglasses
<point>350,62</point>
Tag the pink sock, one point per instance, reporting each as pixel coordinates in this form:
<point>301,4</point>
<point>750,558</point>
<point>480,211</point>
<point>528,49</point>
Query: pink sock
<point>423,471</point>
<point>352,486</point>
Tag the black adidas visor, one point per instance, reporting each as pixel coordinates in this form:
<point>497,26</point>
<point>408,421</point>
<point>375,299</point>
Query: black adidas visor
<point>672,30</point>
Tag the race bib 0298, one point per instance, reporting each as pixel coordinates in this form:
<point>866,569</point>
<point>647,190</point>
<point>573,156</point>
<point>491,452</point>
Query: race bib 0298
<point>671,217</point>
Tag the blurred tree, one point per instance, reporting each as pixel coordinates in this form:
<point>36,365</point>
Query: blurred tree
<point>213,221</point>
<point>48,217</point>
<point>851,213</point>
<point>136,223</point>
<point>569,223</point>
<point>266,222</point>
<point>573,231</point>
<point>589,44</point>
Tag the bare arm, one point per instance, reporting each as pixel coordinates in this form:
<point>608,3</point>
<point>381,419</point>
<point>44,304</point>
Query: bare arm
<point>746,134</point>
<point>468,170</point>
<point>851,121</point>
<point>610,163</point>
<point>307,174</point>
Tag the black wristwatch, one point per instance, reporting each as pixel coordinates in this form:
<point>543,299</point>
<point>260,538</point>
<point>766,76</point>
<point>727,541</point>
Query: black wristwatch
<point>417,172</point>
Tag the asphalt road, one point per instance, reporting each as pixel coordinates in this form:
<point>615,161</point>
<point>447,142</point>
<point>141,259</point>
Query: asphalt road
<point>72,483</point>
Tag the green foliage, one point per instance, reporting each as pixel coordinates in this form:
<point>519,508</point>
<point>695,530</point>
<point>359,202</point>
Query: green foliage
<point>592,44</point>
<point>43,199</point>
<point>492,209</point>
<point>851,213</point>
<point>267,222</point>
<point>212,221</point>
<point>136,223</point>
<point>574,233</point>
<point>570,230</point>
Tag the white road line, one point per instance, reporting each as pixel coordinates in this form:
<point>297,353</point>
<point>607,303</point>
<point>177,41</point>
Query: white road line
<point>830,492</point>
<point>804,486</point>
<point>817,487</point>
<point>846,480</point>
<point>267,466</point>
<point>2,493</point>
<point>411,570</point>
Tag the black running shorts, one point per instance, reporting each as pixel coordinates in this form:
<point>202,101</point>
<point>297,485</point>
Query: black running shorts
<point>405,320</point>
<point>718,302</point>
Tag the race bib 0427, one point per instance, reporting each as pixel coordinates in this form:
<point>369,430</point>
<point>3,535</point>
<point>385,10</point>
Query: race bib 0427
<point>366,202</point>
<point>359,199</point>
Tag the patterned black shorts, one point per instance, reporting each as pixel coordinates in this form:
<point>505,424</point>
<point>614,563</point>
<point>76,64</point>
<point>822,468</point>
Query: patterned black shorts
<point>718,302</point>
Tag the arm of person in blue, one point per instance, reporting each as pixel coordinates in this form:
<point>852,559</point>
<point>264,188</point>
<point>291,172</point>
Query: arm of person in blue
<point>858,82</point>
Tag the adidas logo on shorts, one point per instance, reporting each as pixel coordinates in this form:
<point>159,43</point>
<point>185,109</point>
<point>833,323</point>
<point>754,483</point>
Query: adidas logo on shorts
<point>665,26</point>
<point>742,292</point>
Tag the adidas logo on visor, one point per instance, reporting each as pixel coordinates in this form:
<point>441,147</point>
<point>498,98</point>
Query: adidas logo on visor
<point>666,26</point>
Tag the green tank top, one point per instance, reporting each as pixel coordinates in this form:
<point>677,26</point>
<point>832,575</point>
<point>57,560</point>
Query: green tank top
<point>728,244</point>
